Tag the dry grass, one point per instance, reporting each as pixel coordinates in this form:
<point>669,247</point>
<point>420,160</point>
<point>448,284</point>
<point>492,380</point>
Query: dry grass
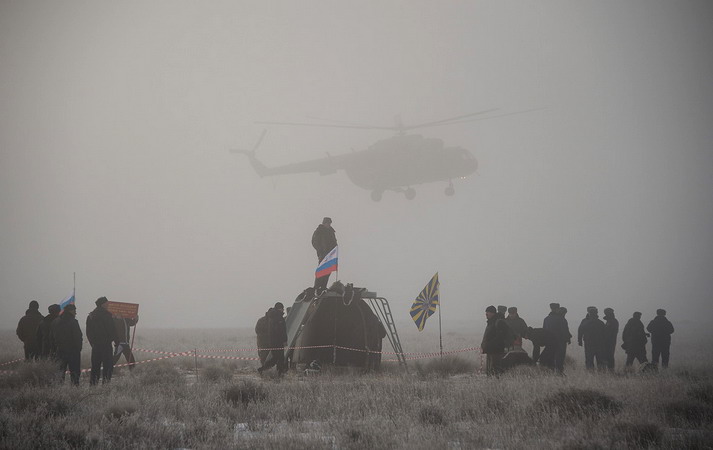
<point>437,404</point>
<point>577,404</point>
<point>445,366</point>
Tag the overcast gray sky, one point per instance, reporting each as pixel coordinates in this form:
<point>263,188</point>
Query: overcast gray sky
<point>116,119</point>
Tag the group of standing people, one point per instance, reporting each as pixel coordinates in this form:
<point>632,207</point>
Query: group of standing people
<point>58,336</point>
<point>599,338</point>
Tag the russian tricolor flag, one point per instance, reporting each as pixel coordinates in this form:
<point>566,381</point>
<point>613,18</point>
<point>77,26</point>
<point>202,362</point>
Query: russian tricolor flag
<point>66,302</point>
<point>328,264</point>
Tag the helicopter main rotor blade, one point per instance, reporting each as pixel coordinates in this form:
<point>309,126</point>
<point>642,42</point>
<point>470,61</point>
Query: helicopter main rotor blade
<point>336,122</point>
<point>486,118</point>
<point>360,127</point>
<point>445,121</point>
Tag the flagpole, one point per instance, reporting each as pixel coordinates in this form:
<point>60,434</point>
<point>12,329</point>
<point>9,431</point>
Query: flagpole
<point>440,335</point>
<point>74,286</point>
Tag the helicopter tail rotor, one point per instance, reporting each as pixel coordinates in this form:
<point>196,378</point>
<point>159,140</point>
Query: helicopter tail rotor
<point>251,153</point>
<point>259,167</point>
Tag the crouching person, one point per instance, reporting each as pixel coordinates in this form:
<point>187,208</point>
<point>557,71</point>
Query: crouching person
<point>277,332</point>
<point>67,338</point>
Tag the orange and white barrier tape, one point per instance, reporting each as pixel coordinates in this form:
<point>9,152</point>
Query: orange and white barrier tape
<point>159,352</point>
<point>173,355</point>
<point>241,358</point>
<point>412,355</point>
<point>198,353</point>
<point>255,349</point>
<point>11,362</point>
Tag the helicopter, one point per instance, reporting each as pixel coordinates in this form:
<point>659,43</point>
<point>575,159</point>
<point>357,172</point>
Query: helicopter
<point>392,164</point>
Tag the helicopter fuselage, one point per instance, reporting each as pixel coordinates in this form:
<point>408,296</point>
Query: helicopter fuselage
<point>407,160</point>
<point>396,164</point>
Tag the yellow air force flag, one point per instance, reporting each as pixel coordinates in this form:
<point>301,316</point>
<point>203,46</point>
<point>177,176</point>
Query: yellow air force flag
<point>425,304</point>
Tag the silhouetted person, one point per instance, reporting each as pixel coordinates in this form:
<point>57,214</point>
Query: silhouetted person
<point>101,333</point>
<point>540,338</point>
<point>612,332</point>
<point>566,336</point>
<point>661,330</point>
<point>493,344</point>
<point>67,336</point>
<point>510,334</point>
<point>27,330</point>
<point>263,337</point>
<point>122,346</point>
<point>553,356</point>
<point>592,332</point>
<point>324,240</point>
<point>44,337</point>
<point>375,333</point>
<point>634,337</point>
<point>517,325</point>
<point>277,331</point>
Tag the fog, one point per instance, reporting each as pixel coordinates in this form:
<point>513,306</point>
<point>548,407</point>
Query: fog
<point>116,121</point>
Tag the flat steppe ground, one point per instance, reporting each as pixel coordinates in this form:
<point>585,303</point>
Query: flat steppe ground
<point>436,403</point>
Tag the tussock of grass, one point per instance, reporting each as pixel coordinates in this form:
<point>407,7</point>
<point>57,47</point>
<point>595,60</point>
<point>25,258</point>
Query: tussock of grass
<point>246,392</point>
<point>702,393</point>
<point>32,373</point>
<point>638,435</point>
<point>160,374</point>
<point>71,436</point>
<point>687,413</point>
<point>359,438</point>
<point>446,366</point>
<point>40,403</point>
<point>579,404</point>
<point>121,408</point>
<point>216,374</point>
<point>694,376</point>
<point>432,415</point>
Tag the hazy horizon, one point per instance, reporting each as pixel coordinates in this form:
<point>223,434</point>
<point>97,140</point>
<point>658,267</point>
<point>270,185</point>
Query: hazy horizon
<point>117,120</point>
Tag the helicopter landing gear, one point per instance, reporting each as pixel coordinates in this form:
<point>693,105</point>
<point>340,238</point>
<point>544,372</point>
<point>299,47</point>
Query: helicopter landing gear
<point>376,195</point>
<point>410,193</point>
<point>450,190</point>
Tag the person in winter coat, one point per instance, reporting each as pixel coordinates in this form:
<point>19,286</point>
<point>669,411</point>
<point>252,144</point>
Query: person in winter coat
<point>493,344</point>
<point>556,323</point>
<point>27,330</point>
<point>610,337</point>
<point>121,342</point>
<point>661,330</point>
<point>67,336</point>
<point>634,337</point>
<point>263,337</point>
<point>517,325</point>
<point>592,332</point>
<point>277,333</point>
<point>44,337</point>
<point>324,240</point>
<point>101,333</point>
